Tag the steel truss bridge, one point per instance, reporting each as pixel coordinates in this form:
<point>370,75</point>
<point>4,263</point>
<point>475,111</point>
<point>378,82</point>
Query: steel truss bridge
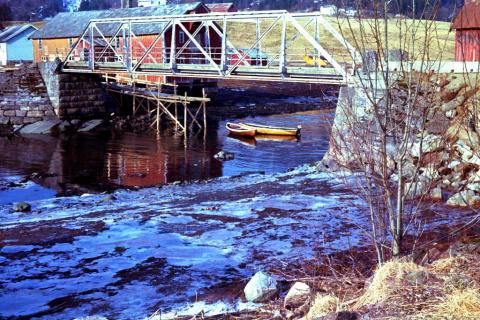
<point>264,45</point>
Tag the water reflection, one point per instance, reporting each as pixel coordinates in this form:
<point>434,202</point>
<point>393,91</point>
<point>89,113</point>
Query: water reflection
<point>96,162</point>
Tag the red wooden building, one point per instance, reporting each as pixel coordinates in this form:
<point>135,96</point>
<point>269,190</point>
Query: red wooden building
<point>62,32</point>
<point>467,32</point>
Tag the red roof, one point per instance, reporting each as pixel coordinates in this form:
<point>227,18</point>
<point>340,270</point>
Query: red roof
<point>468,17</point>
<point>221,7</point>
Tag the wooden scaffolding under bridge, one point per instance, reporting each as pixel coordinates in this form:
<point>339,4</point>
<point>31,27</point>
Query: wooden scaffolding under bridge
<point>183,110</point>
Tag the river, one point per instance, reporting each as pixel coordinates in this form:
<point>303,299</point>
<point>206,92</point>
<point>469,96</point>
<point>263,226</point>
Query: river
<point>96,162</point>
<point>157,246</point>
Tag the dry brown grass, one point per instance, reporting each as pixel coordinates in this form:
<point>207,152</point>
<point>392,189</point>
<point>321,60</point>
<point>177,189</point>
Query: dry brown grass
<point>323,305</point>
<point>462,304</point>
<point>447,265</point>
<point>386,281</point>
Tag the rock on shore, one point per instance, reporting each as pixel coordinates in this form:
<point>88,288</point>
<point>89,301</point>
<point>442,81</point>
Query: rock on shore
<point>443,160</point>
<point>260,288</point>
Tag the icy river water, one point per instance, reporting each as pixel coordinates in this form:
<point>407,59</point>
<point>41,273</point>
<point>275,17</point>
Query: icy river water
<point>165,247</point>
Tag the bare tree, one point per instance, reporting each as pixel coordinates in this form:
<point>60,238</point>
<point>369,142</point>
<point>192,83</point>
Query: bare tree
<point>380,131</point>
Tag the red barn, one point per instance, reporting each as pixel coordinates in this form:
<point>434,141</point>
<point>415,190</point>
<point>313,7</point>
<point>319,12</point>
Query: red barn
<point>467,35</point>
<point>61,32</point>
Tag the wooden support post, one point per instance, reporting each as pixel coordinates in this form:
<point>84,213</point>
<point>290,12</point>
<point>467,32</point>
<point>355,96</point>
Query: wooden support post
<point>158,116</point>
<point>134,97</point>
<point>176,105</point>
<point>204,111</point>
<point>185,115</point>
<point>121,99</point>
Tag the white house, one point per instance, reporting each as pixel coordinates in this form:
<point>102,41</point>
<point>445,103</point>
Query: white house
<point>15,45</point>
<point>151,3</point>
<point>329,10</point>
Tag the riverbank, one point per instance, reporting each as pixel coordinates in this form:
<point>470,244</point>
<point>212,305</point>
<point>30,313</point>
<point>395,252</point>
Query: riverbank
<point>348,286</point>
<point>167,246</point>
<point>135,252</point>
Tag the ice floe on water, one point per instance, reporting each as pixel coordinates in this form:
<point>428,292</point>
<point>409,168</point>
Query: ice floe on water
<point>208,310</point>
<point>129,255</point>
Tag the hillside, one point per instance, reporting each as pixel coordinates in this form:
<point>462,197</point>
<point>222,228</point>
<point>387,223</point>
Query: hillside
<point>31,10</point>
<point>438,42</point>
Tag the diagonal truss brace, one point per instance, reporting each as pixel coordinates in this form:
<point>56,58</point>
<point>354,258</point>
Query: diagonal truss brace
<point>195,42</point>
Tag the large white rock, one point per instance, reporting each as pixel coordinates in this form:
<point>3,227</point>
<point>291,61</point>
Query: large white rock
<point>260,288</point>
<point>474,187</point>
<point>416,189</point>
<point>436,194</point>
<point>430,143</point>
<point>475,160</point>
<point>464,150</point>
<point>464,199</point>
<point>298,295</point>
<point>453,164</point>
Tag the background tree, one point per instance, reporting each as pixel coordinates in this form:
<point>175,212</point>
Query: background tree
<point>5,13</point>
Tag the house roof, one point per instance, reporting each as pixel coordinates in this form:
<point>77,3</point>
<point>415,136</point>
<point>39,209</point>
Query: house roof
<point>220,7</point>
<point>13,31</point>
<point>72,24</point>
<point>468,17</point>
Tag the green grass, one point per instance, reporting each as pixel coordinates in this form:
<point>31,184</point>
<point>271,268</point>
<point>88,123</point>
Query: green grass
<point>424,40</point>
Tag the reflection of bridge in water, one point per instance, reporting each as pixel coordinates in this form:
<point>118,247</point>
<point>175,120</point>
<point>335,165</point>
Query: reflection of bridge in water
<point>85,163</point>
<point>283,47</point>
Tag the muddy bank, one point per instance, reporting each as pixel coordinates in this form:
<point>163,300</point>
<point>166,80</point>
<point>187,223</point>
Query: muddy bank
<point>166,247</point>
<point>172,246</point>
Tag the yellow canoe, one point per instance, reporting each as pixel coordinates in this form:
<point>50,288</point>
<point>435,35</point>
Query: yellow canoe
<point>270,130</point>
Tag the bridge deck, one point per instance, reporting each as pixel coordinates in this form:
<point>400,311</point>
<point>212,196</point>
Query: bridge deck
<point>291,74</point>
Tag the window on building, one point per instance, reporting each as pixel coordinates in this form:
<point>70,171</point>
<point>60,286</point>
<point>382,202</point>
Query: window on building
<point>70,42</point>
<point>117,42</point>
<point>40,44</point>
<point>181,37</point>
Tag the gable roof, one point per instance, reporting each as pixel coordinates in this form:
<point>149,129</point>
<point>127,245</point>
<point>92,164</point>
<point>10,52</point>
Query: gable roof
<point>13,31</point>
<point>72,24</point>
<point>468,17</point>
<point>220,7</point>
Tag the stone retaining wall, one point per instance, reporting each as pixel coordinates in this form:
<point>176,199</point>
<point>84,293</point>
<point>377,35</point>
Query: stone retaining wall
<point>23,97</point>
<point>73,95</point>
<point>34,93</point>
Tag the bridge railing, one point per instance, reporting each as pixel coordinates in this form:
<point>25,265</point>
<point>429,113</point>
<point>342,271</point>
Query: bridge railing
<point>266,44</point>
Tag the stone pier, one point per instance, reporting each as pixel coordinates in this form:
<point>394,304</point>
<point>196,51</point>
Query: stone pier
<point>36,92</point>
<point>73,96</point>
